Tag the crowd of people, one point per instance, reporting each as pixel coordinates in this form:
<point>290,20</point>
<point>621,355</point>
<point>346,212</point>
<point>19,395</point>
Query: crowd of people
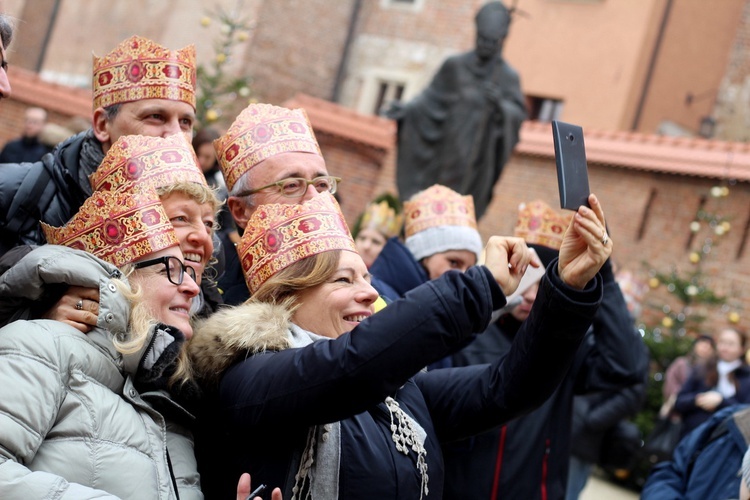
<point>183,311</point>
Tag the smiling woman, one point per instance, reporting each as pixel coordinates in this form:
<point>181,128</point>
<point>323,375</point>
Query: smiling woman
<point>316,394</point>
<point>99,396</point>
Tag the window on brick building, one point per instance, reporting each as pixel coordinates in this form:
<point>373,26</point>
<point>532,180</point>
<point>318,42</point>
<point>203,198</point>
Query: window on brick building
<point>388,91</point>
<point>543,109</point>
<point>402,4</point>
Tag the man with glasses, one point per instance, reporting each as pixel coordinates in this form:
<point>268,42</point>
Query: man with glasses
<point>268,155</point>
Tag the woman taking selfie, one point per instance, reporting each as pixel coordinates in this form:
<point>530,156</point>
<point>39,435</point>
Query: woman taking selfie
<point>317,395</point>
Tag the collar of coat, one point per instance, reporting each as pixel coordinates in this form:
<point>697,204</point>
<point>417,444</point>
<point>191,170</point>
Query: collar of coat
<point>237,332</point>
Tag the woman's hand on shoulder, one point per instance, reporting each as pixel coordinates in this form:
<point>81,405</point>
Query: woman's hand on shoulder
<point>507,258</point>
<point>586,245</point>
<point>79,308</point>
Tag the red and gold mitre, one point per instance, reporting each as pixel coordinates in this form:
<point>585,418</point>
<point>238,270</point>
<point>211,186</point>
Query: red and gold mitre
<point>438,206</point>
<point>382,218</point>
<point>151,161</point>
<point>119,227</point>
<point>139,68</point>
<point>279,235</point>
<point>540,224</point>
<point>259,132</point>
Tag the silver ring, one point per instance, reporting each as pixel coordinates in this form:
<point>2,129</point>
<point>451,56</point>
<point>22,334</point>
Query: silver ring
<point>79,305</point>
<point>605,239</point>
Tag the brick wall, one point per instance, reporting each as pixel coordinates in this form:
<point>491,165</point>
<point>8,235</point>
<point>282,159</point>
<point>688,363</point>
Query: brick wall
<point>297,47</point>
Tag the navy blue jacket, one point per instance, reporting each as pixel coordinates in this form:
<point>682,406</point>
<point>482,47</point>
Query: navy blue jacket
<point>267,402</point>
<point>47,190</point>
<point>706,463</point>
<point>692,415</point>
<point>528,458</point>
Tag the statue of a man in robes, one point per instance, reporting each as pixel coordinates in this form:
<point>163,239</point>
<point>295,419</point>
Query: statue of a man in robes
<point>462,128</point>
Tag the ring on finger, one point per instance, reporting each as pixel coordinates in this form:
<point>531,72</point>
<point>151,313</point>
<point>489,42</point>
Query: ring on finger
<point>605,239</point>
<point>79,304</point>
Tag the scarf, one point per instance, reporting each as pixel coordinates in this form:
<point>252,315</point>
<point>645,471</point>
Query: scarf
<point>725,386</point>
<point>89,160</point>
<point>318,473</point>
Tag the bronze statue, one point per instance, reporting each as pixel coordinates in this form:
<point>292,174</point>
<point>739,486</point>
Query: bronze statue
<point>462,128</point>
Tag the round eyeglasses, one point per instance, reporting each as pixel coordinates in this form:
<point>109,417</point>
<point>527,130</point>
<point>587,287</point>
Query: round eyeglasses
<point>296,187</point>
<point>176,269</point>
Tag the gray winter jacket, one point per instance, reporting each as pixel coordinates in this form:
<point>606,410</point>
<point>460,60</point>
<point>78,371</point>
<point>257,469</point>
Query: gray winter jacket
<point>72,423</point>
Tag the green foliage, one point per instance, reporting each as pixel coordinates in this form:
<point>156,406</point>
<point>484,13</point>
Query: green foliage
<point>221,95</point>
<point>682,301</point>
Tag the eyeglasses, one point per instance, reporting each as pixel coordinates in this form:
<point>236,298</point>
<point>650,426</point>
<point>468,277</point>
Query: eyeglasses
<point>176,269</point>
<point>295,187</point>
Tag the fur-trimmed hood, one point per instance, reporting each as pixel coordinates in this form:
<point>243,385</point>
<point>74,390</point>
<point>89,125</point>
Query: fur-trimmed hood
<point>235,332</point>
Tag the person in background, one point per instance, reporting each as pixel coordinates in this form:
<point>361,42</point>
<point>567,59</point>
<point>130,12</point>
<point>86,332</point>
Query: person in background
<point>440,235</point>
<point>723,381</point>
<point>27,148</point>
<point>701,352</point>
<point>6,36</point>
<point>268,155</point>
<point>318,394</point>
<point>708,463</point>
<point>141,88</point>
<point>529,457</point>
<point>381,220</point>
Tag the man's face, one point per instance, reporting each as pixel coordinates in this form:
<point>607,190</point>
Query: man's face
<point>276,168</point>
<point>33,122</point>
<point>490,43</point>
<point>4,82</point>
<point>522,311</point>
<point>151,117</point>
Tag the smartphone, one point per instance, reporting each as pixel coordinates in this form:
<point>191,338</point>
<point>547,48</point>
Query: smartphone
<point>570,157</point>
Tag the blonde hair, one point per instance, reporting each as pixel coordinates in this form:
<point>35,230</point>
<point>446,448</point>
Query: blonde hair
<point>200,193</point>
<point>141,323</point>
<point>301,275</point>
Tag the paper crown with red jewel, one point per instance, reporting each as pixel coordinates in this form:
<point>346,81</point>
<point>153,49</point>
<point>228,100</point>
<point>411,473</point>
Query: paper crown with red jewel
<point>439,219</point>
<point>438,206</point>
<point>260,132</point>
<point>152,161</point>
<point>139,68</point>
<point>540,224</point>
<point>382,218</point>
<point>279,235</point>
<point>119,227</point>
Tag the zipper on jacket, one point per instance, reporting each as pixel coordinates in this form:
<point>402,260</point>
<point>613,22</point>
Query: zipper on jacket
<point>499,462</point>
<point>545,464</point>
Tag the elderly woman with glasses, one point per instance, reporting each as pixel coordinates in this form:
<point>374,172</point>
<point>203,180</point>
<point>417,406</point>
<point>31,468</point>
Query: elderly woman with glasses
<point>89,415</point>
<point>313,393</point>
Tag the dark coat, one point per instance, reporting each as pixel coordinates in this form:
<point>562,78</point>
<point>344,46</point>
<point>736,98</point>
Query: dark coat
<point>269,397</point>
<point>596,413</point>
<point>528,458</point>
<point>23,150</point>
<point>395,271</point>
<point>692,415</point>
<point>706,463</point>
<point>47,190</point>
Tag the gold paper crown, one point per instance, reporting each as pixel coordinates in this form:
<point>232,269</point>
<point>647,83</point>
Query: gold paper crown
<point>152,161</point>
<point>139,68</point>
<point>382,218</point>
<point>279,235</point>
<point>259,132</point>
<point>119,227</point>
<point>438,206</point>
<point>539,224</point>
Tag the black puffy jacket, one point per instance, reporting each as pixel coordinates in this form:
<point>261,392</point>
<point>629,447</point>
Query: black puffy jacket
<point>47,190</point>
